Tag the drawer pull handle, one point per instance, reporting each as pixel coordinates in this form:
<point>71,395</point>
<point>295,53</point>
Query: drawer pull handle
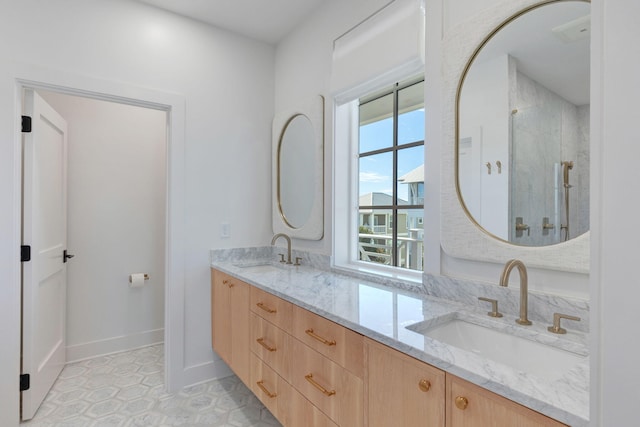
<point>462,402</point>
<point>424,385</point>
<point>265,345</point>
<point>267,309</point>
<point>264,389</point>
<point>319,338</point>
<point>228,283</point>
<point>324,391</point>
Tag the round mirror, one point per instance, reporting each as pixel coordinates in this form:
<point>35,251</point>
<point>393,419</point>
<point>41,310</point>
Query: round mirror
<point>522,127</point>
<point>296,163</point>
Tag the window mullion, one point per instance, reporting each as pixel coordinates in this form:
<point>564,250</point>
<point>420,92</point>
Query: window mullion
<point>394,211</point>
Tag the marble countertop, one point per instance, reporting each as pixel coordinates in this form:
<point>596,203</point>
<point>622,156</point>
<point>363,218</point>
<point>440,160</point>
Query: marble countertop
<point>394,316</point>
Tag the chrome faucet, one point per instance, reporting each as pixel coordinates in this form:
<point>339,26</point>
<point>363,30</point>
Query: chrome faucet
<point>288,239</point>
<point>524,287</point>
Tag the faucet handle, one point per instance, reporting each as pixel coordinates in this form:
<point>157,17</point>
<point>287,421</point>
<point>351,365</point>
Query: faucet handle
<point>556,329</point>
<point>282,258</point>
<point>298,259</point>
<point>494,307</point>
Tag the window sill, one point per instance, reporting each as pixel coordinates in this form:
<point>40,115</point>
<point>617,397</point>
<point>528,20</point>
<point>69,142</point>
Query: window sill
<point>381,273</point>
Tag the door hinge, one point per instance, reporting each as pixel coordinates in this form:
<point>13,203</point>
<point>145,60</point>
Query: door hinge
<point>25,382</point>
<point>25,253</point>
<point>26,124</point>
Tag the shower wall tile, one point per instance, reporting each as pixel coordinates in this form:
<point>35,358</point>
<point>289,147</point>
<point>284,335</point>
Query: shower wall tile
<point>546,130</point>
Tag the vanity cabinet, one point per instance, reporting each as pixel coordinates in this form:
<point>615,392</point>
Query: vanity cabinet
<point>310,371</point>
<point>471,406</point>
<point>302,365</point>
<point>230,322</point>
<point>401,390</point>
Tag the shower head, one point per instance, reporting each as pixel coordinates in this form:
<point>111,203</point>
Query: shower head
<point>566,166</point>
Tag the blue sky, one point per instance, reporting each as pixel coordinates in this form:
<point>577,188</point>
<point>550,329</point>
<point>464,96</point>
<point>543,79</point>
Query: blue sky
<point>376,172</point>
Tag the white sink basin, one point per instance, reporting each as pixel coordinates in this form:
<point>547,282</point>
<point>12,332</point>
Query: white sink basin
<point>517,352</point>
<point>259,267</point>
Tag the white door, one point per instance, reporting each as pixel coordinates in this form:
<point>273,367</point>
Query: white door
<point>44,228</point>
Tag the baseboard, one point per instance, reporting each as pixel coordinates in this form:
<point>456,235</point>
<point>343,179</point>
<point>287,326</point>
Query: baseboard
<point>205,372</point>
<point>78,352</point>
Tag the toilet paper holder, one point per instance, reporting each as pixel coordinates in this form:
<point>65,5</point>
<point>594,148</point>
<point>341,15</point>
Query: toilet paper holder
<point>146,277</point>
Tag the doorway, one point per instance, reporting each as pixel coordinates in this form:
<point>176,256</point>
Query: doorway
<point>117,216</point>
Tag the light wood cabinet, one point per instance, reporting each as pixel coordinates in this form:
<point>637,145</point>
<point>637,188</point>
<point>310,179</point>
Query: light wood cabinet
<point>309,371</point>
<point>303,413</point>
<point>471,406</point>
<point>334,341</point>
<point>402,391</point>
<point>272,345</point>
<point>283,401</point>
<point>230,322</point>
<point>272,390</point>
<point>333,389</point>
<point>271,308</point>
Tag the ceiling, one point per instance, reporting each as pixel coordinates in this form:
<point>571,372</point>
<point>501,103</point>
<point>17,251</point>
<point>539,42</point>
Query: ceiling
<point>263,20</point>
<point>561,66</point>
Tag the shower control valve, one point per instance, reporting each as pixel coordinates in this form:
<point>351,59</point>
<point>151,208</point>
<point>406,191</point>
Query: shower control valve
<point>521,227</point>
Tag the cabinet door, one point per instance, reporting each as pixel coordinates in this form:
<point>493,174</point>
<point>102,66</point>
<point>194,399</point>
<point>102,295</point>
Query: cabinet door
<point>221,315</point>
<point>230,322</point>
<point>471,406</point>
<point>240,329</point>
<point>402,391</point>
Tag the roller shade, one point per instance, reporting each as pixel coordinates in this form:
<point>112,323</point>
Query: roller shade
<point>385,48</point>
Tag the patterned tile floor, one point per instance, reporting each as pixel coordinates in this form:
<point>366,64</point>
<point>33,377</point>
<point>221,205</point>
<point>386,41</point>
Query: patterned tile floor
<point>127,389</point>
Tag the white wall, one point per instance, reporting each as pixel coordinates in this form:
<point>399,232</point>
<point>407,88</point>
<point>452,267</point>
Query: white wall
<point>116,224</point>
<point>615,206</point>
<point>484,115</point>
<point>227,83</point>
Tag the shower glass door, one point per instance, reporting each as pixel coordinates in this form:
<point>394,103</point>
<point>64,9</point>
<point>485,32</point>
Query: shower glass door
<point>536,190</point>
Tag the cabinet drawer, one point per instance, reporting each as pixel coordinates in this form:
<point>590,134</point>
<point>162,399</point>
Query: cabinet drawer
<point>271,344</point>
<point>338,343</point>
<point>334,390</point>
<point>273,391</point>
<point>300,412</point>
<point>272,308</point>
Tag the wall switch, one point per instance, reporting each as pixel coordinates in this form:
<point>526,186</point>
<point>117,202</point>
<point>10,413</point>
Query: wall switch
<point>225,230</point>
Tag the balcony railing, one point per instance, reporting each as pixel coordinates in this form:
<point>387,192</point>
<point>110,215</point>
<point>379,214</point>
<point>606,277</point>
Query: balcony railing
<point>378,248</point>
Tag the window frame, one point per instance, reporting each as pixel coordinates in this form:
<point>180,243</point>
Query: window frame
<point>345,195</point>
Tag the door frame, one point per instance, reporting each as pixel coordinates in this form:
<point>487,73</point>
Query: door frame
<point>32,77</point>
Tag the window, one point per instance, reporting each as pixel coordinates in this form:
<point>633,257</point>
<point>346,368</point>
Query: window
<point>391,176</point>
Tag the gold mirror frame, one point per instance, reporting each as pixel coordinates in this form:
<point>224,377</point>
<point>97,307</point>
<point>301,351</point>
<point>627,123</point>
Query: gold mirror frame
<point>464,74</point>
<point>313,229</point>
<point>279,168</point>
<point>461,240</point>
